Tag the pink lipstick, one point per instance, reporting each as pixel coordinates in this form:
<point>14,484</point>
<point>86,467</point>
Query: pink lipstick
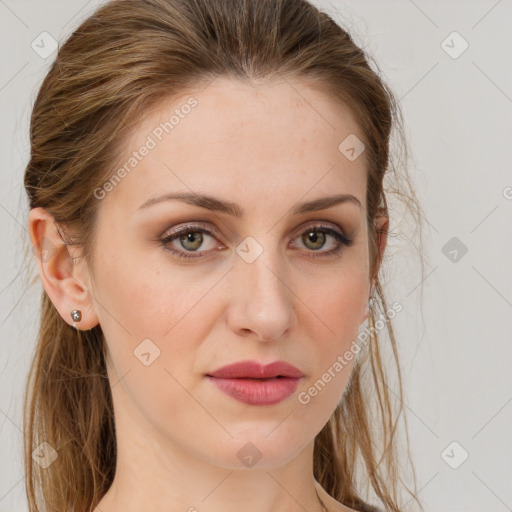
<point>255,384</point>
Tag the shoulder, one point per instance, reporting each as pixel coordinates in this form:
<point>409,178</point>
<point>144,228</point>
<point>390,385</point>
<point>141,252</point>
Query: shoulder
<point>338,507</point>
<point>335,506</point>
<point>370,508</point>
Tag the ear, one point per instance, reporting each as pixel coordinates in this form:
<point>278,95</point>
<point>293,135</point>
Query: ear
<point>382,229</point>
<point>59,271</point>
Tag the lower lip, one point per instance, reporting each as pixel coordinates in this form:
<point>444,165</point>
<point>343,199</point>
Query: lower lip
<point>257,392</point>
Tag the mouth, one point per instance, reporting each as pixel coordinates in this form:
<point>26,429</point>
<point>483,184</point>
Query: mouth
<point>252,383</point>
<point>255,370</point>
<point>250,378</point>
<point>257,391</point>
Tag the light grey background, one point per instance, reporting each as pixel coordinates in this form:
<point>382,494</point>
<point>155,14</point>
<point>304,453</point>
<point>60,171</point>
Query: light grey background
<point>456,345</point>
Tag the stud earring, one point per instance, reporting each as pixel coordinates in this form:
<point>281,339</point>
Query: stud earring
<point>76,315</point>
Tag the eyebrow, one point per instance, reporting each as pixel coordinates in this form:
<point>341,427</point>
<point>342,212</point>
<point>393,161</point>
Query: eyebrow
<point>215,204</point>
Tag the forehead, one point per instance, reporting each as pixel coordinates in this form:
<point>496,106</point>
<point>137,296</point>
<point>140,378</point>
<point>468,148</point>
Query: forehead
<point>277,137</point>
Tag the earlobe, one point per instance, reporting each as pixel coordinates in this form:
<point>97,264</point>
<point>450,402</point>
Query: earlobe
<point>364,314</point>
<point>59,271</point>
<point>382,228</point>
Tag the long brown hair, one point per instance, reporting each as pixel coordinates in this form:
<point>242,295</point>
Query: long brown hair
<point>124,58</point>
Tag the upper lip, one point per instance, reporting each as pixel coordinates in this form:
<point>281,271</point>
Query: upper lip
<point>255,370</point>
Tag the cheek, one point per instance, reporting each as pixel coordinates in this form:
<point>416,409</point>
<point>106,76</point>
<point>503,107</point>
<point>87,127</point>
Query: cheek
<point>148,298</point>
<point>335,312</point>
<point>157,319</point>
<point>341,305</point>
<point>338,300</point>
<point>158,323</point>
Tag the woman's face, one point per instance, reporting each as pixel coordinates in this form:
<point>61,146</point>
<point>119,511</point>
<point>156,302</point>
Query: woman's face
<point>254,286</point>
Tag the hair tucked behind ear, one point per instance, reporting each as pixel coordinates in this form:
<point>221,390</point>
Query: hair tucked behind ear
<point>127,56</point>
<point>71,410</point>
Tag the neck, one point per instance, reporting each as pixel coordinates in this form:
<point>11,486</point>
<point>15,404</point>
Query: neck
<point>153,473</point>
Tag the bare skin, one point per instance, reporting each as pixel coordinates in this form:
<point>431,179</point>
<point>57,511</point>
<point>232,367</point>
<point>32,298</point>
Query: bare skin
<point>265,147</point>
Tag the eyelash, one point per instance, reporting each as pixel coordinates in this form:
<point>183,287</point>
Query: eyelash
<point>199,228</point>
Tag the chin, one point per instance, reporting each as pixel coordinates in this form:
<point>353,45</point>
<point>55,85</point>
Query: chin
<point>256,449</point>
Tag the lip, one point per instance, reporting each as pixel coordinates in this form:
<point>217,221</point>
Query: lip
<point>255,384</point>
<point>255,370</point>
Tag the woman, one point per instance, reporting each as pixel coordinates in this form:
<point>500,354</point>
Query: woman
<point>208,212</point>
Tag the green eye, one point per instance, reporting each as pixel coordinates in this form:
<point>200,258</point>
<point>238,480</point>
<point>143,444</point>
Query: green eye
<point>191,238</point>
<point>194,238</point>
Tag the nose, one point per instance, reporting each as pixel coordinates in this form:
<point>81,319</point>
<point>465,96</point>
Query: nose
<point>263,300</point>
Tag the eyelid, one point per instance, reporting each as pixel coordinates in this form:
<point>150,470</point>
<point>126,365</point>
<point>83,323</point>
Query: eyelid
<point>189,227</point>
<point>331,229</point>
<point>311,224</point>
<point>318,224</point>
